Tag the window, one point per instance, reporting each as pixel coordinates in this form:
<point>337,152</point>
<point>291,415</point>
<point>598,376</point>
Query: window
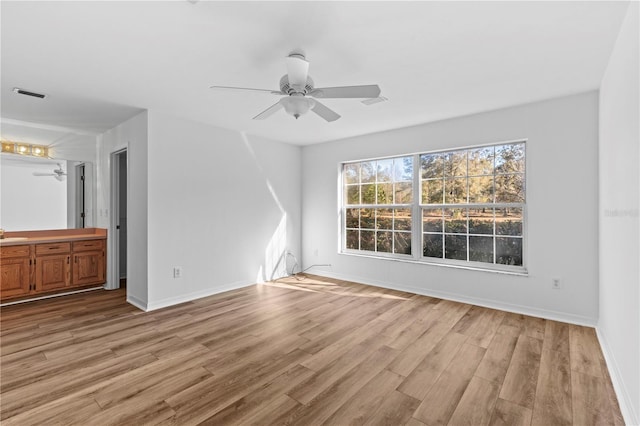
<point>469,208</point>
<point>378,201</point>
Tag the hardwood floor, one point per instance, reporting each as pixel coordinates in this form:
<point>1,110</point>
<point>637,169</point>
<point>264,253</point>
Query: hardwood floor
<point>315,351</point>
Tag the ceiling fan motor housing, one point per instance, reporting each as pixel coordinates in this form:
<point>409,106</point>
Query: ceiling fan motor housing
<point>285,87</point>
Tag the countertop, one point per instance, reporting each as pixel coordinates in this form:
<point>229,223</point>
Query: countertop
<point>18,238</point>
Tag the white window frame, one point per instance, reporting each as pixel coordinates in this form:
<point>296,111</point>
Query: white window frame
<point>344,207</point>
<point>417,207</point>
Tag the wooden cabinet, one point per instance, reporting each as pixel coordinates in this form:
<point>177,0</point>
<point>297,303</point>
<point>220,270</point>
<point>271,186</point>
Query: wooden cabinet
<point>52,272</point>
<point>88,262</point>
<point>53,266</point>
<point>28,270</point>
<point>15,271</point>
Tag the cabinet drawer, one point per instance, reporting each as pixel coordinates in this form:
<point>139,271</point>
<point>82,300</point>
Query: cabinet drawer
<point>14,251</point>
<point>52,248</point>
<point>88,245</point>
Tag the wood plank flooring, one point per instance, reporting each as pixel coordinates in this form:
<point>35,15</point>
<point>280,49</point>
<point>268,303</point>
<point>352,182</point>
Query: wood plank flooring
<point>297,352</point>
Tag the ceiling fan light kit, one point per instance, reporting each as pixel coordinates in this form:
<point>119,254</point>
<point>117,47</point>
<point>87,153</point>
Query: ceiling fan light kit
<point>297,87</point>
<point>297,105</point>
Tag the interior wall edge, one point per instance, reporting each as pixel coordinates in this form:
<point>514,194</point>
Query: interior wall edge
<point>624,398</point>
<point>455,297</point>
<point>137,303</point>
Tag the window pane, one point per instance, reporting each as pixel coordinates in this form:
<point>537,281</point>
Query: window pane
<point>455,191</point>
<point>385,193</point>
<point>352,173</point>
<point>368,171</point>
<point>384,241</point>
<point>367,219</point>
<point>385,170</point>
<point>432,191</point>
<point>403,192</point>
<point>352,239</point>
<point>509,251</point>
<point>353,194</point>
<point>481,221</point>
<point>481,249</point>
<point>432,166</point>
<point>402,242</point>
<point>455,221</point>
<point>509,221</point>
<point>369,194</point>
<point>368,240</point>
<point>432,220</point>
<point>510,158</point>
<point>432,245</point>
<point>384,219</point>
<point>353,218</point>
<point>403,169</point>
<point>510,188</point>
<point>455,163</point>
<point>481,161</point>
<point>481,189</point>
<point>402,219</point>
<point>455,247</point>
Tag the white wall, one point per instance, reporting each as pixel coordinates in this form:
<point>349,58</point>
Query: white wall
<point>31,202</point>
<point>562,202</point>
<point>619,154</point>
<point>223,206</point>
<point>131,134</point>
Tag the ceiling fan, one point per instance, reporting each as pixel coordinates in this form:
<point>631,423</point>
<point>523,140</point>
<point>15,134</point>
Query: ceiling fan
<point>58,173</point>
<point>298,90</point>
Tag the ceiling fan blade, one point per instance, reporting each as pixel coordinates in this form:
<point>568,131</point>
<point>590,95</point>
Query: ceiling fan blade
<point>269,111</point>
<point>275,92</point>
<point>367,91</point>
<point>297,71</point>
<point>43,174</point>
<point>324,112</point>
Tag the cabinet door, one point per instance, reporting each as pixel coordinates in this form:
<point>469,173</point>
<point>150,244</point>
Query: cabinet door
<point>14,277</point>
<point>52,272</point>
<point>88,268</point>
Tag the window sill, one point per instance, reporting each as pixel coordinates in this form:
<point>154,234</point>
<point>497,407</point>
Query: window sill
<point>521,273</point>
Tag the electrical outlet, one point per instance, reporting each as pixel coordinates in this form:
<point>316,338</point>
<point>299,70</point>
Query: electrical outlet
<point>556,284</point>
<point>177,272</point>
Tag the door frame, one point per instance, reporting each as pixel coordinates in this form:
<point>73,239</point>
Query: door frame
<point>113,258</point>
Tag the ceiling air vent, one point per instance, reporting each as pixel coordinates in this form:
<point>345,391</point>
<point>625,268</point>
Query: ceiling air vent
<point>28,93</point>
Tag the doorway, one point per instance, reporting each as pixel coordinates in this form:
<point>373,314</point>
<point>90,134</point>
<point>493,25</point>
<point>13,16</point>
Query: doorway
<point>119,218</point>
<point>80,213</point>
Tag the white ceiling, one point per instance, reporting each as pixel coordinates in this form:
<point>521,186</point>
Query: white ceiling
<point>102,62</point>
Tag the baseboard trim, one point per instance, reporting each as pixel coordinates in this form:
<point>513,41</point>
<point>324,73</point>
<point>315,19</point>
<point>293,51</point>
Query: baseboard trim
<point>132,300</point>
<point>624,400</point>
<point>170,301</point>
<point>50,296</point>
<point>487,303</point>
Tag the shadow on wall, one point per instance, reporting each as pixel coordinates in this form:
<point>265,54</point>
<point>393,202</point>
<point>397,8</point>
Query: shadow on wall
<point>275,254</point>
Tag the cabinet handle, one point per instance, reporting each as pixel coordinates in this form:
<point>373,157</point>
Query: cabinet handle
<point>68,259</point>
<point>54,247</point>
<point>75,259</point>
